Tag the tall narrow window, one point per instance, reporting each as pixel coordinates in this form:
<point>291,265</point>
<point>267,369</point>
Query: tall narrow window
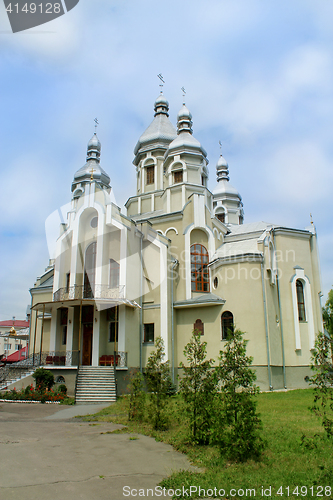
<point>300,300</point>
<point>63,323</point>
<point>178,176</point>
<point>148,332</point>
<point>199,326</point>
<point>150,175</point>
<point>68,278</point>
<point>227,323</point>
<point>89,271</point>
<point>199,268</point>
<point>114,274</point>
<point>113,317</point>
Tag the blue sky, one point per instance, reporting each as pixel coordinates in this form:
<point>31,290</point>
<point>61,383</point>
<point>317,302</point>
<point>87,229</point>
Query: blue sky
<point>258,76</point>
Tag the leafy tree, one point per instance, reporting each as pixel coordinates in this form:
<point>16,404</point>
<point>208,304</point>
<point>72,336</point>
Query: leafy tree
<point>43,379</point>
<point>198,387</point>
<point>137,397</point>
<point>157,375</point>
<point>328,317</point>
<point>237,424</point>
<point>323,382</point>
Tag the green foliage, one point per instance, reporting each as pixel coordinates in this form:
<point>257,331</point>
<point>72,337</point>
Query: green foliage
<point>43,379</point>
<point>29,393</point>
<point>157,375</point>
<point>322,380</point>
<point>136,398</point>
<point>62,388</point>
<point>328,314</point>
<point>237,428</point>
<point>197,388</point>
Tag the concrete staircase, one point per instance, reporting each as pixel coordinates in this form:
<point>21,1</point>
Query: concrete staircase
<point>13,377</point>
<point>95,384</point>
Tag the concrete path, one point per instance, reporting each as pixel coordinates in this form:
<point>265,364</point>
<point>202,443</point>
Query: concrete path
<point>45,454</point>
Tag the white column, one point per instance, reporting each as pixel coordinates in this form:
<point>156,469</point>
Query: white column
<point>70,330</point>
<point>121,329</point>
<point>53,331</point>
<point>96,336</point>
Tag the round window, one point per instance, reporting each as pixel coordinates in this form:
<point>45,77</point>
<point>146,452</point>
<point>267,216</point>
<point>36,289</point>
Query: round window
<point>94,222</point>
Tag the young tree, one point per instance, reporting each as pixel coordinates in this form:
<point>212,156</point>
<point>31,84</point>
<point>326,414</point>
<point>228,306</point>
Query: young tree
<point>323,382</point>
<point>43,379</point>
<point>137,397</point>
<point>198,387</point>
<point>157,375</point>
<point>328,318</point>
<point>238,426</point>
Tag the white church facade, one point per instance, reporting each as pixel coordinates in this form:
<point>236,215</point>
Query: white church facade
<point>180,259</point>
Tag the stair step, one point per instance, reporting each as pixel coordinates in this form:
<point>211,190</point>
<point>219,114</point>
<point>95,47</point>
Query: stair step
<point>95,385</point>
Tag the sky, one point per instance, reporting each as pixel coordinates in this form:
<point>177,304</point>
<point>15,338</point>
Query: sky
<point>258,76</point>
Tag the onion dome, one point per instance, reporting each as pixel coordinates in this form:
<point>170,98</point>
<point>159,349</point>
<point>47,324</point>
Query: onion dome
<point>185,140</point>
<point>161,105</point>
<point>184,120</point>
<point>224,188</point>
<point>92,171</point>
<point>160,132</point>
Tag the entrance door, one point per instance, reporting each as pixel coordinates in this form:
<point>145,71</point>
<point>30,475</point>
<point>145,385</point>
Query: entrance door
<point>87,344</point>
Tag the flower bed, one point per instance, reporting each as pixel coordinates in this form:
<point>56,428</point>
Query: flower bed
<point>31,395</point>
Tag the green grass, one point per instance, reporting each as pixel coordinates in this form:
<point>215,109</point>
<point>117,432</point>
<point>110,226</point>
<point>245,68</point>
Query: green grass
<point>285,462</point>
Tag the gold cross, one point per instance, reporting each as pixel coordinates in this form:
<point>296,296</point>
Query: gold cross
<point>92,173</point>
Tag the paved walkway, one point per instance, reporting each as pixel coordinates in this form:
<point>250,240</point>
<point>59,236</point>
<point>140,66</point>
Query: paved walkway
<point>48,455</point>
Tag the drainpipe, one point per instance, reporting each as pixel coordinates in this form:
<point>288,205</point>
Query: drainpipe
<point>141,290</point>
<point>281,323</point>
<point>173,267</point>
<point>266,328</point>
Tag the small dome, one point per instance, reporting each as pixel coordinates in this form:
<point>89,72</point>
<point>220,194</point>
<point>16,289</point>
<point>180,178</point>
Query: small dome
<point>184,113</point>
<point>222,163</point>
<point>161,105</point>
<point>94,143</point>
<point>161,101</point>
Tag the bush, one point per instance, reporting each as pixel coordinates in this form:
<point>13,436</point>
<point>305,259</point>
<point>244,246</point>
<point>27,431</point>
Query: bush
<point>197,388</point>
<point>158,380</point>
<point>44,379</point>
<point>137,397</point>
<point>237,425</point>
<point>323,382</point>
<point>62,388</point>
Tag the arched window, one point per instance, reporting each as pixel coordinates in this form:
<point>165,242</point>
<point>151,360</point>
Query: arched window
<point>114,274</point>
<point>199,326</point>
<point>199,269</point>
<point>300,300</point>
<point>89,271</point>
<point>220,217</point>
<point>227,323</point>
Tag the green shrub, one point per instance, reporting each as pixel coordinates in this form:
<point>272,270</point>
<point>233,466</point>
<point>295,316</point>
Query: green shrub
<point>158,380</point>
<point>137,397</point>
<point>237,425</point>
<point>62,388</point>
<point>44,379</point>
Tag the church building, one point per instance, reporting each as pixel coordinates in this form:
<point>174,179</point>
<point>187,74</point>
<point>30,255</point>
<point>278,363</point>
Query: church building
<point>181,258</point>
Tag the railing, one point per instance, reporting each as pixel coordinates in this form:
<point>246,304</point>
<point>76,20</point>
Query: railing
<point>78,292</point>
<point>108,360</point>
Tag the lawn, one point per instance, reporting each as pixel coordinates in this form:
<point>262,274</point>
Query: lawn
<point>288,467</point>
